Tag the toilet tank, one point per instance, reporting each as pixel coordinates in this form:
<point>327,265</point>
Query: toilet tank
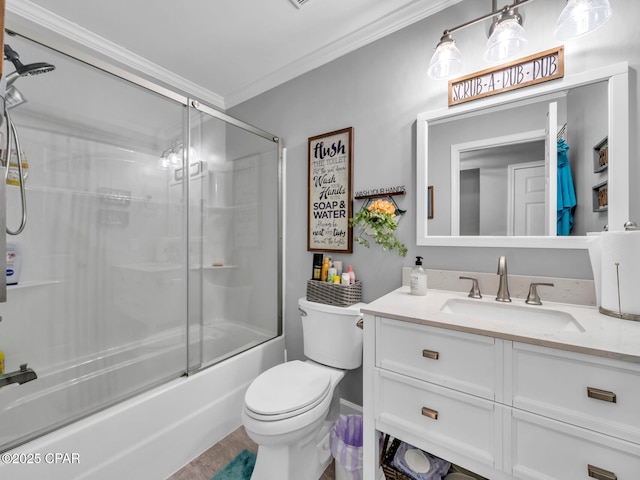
<point>331,335</point>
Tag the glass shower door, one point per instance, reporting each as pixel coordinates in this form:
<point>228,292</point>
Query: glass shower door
<point>234,212</point>
<point>98,311</point>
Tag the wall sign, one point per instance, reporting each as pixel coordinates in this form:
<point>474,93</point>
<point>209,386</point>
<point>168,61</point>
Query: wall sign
<point>330,192</point>
<point>538,68</point>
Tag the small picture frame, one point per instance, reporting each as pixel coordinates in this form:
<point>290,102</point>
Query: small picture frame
<point>601,197</point>
<point>601,156</point>
<point>430,202</point>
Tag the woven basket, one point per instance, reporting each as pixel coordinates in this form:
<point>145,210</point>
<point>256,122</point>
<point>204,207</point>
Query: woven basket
<point>334,293</point>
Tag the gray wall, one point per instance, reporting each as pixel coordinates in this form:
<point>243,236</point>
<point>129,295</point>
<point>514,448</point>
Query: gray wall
<point>379,90</point>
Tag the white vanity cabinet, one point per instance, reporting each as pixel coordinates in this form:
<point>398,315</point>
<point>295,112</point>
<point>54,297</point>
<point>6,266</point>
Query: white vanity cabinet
<point>573,416</point>
<point>440,387</point>
<point>502,408</point>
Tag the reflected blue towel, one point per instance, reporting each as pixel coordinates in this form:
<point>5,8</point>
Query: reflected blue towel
<point>566,193</point>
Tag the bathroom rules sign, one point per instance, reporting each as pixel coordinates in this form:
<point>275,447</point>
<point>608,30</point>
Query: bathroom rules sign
<point>330,192</point>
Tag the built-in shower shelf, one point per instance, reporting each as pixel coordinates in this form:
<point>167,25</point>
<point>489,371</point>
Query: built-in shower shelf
<point>220,275</point>
<point>31,283</point>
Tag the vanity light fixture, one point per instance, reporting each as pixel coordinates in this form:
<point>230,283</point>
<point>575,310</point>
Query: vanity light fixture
<point>580,17</point>
<point>447,59</point>
<point>171,158</point>
<point>507,37</point>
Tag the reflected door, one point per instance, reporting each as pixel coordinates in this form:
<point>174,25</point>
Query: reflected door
<point>527,217</point>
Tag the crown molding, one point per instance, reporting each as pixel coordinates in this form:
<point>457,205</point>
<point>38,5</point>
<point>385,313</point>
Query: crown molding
<point>399,19</point>
<point>54,31</point>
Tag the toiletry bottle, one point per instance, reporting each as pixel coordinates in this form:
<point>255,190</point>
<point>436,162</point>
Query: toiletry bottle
<point>317,266</point>
<point>14,263</point>
<point>325,269</point>
<point>338,265</point>
<point>352,274</point>
<point>418,279</point>
<point>13,174</point>
<point>1,362</point>
<point>331,273</point>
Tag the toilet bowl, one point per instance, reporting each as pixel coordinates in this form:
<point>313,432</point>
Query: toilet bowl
<point>289,409</point>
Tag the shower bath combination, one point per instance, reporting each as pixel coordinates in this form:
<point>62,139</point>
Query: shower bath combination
<point>105,321</point>
<point>13,98</point>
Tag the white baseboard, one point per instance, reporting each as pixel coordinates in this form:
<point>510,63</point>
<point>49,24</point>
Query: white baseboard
<point>349,408</point>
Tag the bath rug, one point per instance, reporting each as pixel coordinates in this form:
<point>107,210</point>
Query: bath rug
<point>240,468</point>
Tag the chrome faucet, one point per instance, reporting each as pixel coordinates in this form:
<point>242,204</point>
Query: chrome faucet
<point>503,288</point>
<point>21,376</point>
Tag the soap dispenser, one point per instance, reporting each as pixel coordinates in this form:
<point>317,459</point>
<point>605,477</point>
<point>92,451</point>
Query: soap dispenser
<point>418,279</point>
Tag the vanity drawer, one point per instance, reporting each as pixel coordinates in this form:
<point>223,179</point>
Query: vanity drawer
<point>592,392</point>
<point>545,448</point>
<point>444,419</point>
<point>462,361</point>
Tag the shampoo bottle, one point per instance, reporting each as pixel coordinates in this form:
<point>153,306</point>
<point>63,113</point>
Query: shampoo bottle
<point>317,266</point>
<point>332,272</point>
<point>14,263</point>
<point>418,279</point>
<point>325,269</point>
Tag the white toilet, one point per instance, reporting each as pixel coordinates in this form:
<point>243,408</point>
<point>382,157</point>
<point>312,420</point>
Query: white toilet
<point>289,409</point>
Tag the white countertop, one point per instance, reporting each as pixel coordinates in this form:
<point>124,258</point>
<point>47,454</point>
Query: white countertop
<point>603,335</point>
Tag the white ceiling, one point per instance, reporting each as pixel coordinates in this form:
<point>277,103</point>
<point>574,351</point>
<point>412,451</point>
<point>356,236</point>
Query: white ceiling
<point>231,50</point>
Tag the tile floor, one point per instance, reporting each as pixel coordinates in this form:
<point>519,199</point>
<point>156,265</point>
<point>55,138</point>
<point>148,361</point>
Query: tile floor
<point>213,460</point>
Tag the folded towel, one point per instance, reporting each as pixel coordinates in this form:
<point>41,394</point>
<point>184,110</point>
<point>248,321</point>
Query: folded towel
<point>437,468</point>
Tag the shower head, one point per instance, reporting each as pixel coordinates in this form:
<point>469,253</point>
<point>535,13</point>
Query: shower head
<point>23,70</point>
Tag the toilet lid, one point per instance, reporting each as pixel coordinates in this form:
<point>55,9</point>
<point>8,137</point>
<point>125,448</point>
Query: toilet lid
<point>288,389</point>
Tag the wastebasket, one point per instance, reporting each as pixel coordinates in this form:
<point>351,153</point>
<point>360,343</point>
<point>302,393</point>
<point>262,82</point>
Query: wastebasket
<point>346,447</point>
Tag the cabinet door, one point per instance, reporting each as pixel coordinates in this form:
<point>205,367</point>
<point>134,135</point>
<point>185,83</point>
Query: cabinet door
<point>445,422</point>
<point>588,391</point>
<point>465,362</point>
<point>542,448</point>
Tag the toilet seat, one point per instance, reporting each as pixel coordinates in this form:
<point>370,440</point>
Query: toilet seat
<point>287,390</point>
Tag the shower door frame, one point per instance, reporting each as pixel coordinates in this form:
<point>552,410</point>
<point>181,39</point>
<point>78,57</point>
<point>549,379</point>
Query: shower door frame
<point>281,151</point>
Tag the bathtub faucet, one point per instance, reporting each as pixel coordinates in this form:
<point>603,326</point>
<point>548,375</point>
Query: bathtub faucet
<point>21,376</point>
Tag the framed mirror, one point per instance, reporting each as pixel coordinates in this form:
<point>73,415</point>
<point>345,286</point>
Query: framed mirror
<point>489,165</point>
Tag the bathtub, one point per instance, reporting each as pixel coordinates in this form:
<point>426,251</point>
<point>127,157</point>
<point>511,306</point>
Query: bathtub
<point>148,436</point>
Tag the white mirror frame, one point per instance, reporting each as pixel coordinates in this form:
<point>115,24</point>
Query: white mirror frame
<point>617,76</point>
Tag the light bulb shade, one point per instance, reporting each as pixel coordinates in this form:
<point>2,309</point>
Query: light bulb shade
<point>580,17</point>
<point>446,60</point>
<point>163,163</point>
<point>175,159</point>
<point>507,40</point>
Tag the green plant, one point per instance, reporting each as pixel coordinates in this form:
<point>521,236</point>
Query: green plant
<point>379,222</point>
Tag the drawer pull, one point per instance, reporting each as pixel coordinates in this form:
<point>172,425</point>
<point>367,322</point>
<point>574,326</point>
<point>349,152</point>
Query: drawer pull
<point>430,354</point>
<point>600,474</point>
<point>603,395</point>
<point>427,412</point>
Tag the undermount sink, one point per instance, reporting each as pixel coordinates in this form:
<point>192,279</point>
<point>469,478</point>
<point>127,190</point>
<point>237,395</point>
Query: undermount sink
<point>529,317</point>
